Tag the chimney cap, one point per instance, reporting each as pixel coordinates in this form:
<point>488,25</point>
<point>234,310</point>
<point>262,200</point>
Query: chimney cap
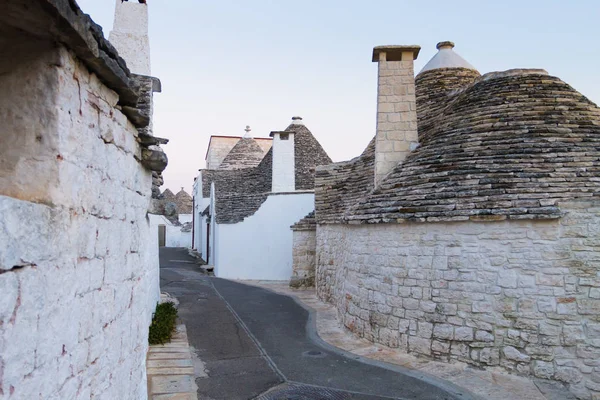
<point>394,52</point>
<point>445,45</point>
<point>273,133</point>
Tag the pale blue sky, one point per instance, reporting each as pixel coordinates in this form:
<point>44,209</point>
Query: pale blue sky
<point>226,64</point>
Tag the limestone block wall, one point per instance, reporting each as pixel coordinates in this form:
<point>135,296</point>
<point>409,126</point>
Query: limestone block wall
<point>303,257</point>
<point>396,115</point>
<point>521,295</point>
<point>78,262</point>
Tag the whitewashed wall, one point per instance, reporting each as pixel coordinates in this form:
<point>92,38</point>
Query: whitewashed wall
<point>260,247</point>
<point>284,168</point>
<point>521,295</point>
<point>78,268</point>
<point>200,221</point>
<point>174,236</point>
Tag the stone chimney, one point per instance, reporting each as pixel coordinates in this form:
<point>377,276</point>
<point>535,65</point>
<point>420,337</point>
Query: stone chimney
<point>284,160</point>
<point>130,35</point>
<point>396,107</point>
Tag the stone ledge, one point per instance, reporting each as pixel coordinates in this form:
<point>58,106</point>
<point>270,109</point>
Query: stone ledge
<point>170,369</point>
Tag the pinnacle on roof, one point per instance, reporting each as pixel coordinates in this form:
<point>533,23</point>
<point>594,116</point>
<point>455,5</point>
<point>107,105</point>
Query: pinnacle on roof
<point>446,57</point>
<point>247,134</point>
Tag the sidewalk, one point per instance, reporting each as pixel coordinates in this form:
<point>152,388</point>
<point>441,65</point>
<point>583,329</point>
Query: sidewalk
<point>170,369</point>
<point>491,384</point>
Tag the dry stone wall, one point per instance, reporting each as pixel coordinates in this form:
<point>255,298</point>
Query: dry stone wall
<point>78,263</point>
<point>521,295</point>
<point>304,252</point>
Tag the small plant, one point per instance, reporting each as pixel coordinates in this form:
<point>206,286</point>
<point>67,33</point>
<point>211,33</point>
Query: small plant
<point>163,323</point>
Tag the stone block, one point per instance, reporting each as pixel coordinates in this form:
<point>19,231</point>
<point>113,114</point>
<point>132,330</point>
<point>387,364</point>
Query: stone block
<point>512,354</point>
<point>443,331</point>
<point>419,345</point>
<point>463,334</point>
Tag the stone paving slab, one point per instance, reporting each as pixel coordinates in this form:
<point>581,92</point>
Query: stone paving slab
<point>170,369</point>
<point>491,384</point>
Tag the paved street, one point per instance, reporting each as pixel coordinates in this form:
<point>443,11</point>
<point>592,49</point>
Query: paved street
<point>255,343</point>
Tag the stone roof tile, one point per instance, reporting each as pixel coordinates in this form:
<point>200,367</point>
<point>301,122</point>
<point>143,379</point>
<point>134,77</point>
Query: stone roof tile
<point>245,154</point>
<point>511,145</point>
<point>239,193</point>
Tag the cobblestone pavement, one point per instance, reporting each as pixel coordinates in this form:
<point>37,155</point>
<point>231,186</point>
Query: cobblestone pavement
<point>257,344</point>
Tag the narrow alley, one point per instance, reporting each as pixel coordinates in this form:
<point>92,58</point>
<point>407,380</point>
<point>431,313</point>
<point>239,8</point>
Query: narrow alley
<point>256,344</point>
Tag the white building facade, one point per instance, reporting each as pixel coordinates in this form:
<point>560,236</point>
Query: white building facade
<point>242,217</point>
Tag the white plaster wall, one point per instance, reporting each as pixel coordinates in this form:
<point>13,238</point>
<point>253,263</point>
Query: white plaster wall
<point>521,295</point>
<point>79,277</point>
<point>185,218</point>
<point>284,168</point>
<point>213,241</point>
<point>260,247</point>
<point>174,236</point>
<point>130,35</point>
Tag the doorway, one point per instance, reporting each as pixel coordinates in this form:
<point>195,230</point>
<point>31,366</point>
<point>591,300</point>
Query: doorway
<point>162,235</point>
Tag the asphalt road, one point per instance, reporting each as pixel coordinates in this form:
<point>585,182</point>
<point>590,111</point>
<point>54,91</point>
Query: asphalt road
<point>257,344</point>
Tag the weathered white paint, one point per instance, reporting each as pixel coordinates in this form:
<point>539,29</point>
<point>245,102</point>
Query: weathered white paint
<point>130,35</point>
<point>521,295</point>
<point>260,247</point>
<point>284,167</point>
<point>75,313</point>
<point>446,57</point>
<point>175,237</point>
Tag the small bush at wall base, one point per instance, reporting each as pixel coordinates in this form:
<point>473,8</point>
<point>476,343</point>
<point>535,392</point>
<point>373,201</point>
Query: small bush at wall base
<point>163,323</point>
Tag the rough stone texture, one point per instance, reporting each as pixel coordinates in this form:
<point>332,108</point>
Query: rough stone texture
<point>433,89</point>
<point>62,21</point>
<point>396,115</point>
<point>245,154</point>
<point>509,146</point>
<point>503,146</point>
<point>309,154</point>
<point>520,295</point>
<point>239,193</point>
<point>304,251</point>
<point>220,146</point>
<point>184,202</point>
<point>78,263</point>
<point>340,186</point>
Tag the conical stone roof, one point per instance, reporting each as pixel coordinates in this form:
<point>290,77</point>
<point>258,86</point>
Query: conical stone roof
<point>167,195</point>
<point>247,153</point>
<point>511,145</point>
<point>184,202</point>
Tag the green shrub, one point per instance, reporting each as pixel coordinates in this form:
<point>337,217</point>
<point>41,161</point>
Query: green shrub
<point>163,323</point>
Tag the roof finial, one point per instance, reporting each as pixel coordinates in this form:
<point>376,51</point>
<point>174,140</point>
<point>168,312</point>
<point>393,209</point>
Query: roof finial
<point>297,121</point>
<point>248,130</point>
<point>445,45</point>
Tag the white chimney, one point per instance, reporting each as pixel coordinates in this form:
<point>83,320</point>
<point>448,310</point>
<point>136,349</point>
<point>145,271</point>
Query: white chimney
<point>284,160</point>
<point>396,107</point>
<point>130,35</point>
